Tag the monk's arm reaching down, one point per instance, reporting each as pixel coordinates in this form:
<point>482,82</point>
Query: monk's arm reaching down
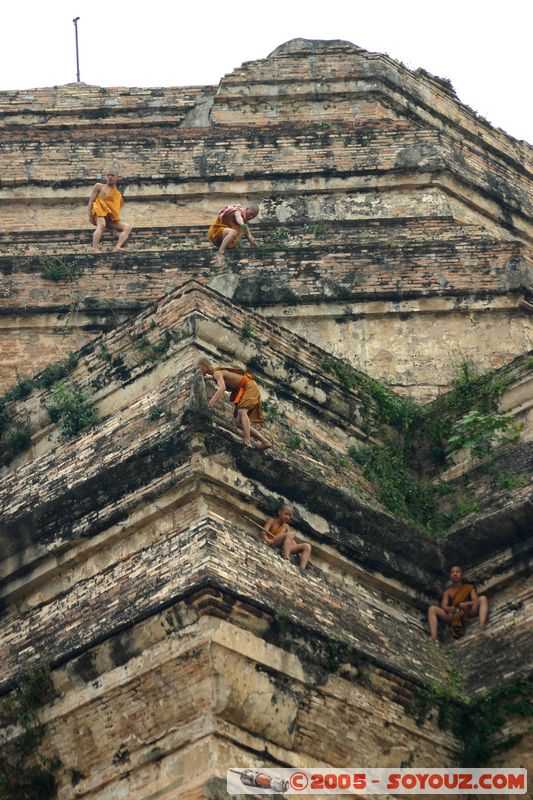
<point>218,377</point>
<point>92,198</point>
<point>249,236</point>
<point>239,219</point>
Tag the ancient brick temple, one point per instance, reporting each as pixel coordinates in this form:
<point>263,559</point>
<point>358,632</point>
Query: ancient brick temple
<point>379,315</point>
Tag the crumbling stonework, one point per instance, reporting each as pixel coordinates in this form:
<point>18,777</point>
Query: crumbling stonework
<point>394,232</point>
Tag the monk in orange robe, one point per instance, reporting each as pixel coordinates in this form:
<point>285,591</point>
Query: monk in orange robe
<point>244,394</point>
<point>459,603</point>
<point>105,203</point>
<point>276,533</point>
<point>231,225</point>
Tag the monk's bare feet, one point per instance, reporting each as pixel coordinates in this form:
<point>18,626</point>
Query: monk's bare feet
<point>96,252</point>
<point>118,250</point>
<point>248,444</point>
<point>265,446</point>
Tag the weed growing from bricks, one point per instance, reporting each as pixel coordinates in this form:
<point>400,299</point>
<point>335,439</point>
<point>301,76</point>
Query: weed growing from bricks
<point>71,406</point>
<point>150,351</point>
<point>156,412</point>
<point>19,437</point>
<point>271,410</point>
<point>25,774</point>
<point>318,229</point>
<point>246,332</point>
<point>294,442</point>
<point>103,352</point>
<point>511,482</point>
<point>54,372</point>
<point>478,723</point>
<point>378,401</point>
<point>481,432</point>
<point>20,390</point>
<point>54,269</point>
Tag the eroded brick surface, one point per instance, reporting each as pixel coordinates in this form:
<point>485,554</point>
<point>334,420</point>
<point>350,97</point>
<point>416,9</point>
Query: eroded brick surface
<point>394,227</point>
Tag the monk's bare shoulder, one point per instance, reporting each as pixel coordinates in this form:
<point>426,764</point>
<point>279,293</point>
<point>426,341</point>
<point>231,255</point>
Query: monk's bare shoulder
<point>98,186</point>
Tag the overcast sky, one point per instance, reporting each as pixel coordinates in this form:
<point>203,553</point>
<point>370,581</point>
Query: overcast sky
<point>484,47</point>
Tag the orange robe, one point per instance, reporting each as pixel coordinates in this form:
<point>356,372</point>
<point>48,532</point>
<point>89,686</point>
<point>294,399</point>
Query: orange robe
<point>226,219</point>
<point>271,534</point>
<point>459,617</point>
<point>246,395</point>
<point>108,207</point>
<point>462,594</point>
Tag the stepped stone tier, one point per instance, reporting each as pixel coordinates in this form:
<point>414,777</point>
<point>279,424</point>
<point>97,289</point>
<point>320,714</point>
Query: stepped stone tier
<point>394,229</point>
<point>388,209</point>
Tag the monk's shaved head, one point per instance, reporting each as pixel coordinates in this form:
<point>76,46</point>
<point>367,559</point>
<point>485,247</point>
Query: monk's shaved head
<point>204,365</point>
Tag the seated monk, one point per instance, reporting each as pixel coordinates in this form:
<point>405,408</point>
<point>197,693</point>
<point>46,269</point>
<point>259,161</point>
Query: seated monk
<point>459,603</point>
<point>276,533</point>
<point>244,394</point>
<point>231,225</point>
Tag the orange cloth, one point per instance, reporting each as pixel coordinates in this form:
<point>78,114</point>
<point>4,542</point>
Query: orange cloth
<point>274,530</point>
<point>237,394</point>
<point>462,594</point>
<point>108,206</point>
<point>246,395</point>
<point>226,219</point>
<point>251,401</point>
<point>459,616</point>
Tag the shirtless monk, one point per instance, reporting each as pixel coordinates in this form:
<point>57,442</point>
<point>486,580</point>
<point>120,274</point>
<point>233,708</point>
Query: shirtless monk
<point>276,533</point>
<point>459,603</point>
<point>244,394</point>
<point>231,225</point>
<point>104,207</point>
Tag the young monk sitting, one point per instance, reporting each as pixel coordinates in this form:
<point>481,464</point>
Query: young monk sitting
<point>459,603</point>
<point>244,394</point>
<point>276,533</point>
<point>104,207</point>
<point>231,225</point>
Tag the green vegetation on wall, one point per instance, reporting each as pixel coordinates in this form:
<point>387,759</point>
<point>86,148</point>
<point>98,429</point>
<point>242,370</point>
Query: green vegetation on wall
<point>466,417</point>
<point>151,351</point>
<point>16,433</point>
<point>25,774</point>
<point>481,432</point>
<point>380,405</point>
<point>71,406</point>
<point>473,396</point>
<point>478,723</point>
<point>55,269</point>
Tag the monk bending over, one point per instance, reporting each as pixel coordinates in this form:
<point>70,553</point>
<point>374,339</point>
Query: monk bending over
<point>459,603</point>
<point>105,203</point>
<point>231,225</point>
<point>276,533</point>
<point>244,394</point>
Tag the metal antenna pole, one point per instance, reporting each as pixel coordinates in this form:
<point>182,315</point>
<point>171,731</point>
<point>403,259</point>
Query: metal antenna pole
<point>75,21</point>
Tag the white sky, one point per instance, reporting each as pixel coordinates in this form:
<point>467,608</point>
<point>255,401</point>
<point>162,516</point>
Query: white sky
<point>483,46</point>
